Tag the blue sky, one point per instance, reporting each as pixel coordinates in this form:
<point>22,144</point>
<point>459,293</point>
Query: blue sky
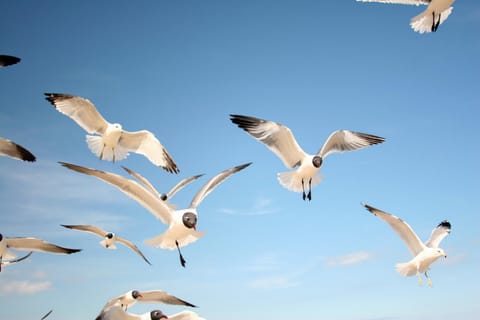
<point>178,69</point>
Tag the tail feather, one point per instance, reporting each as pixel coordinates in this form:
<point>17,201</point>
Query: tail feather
<point>96,145</point>
<point>110,246</point>
<point>8,255</point>
<point>406,269</point>
<point>166,241</point>
<point>424,21</point>
<point>292,181</point>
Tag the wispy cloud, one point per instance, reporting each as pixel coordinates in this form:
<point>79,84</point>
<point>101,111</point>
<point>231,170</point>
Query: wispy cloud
<point>261,206</point>
<point>349,259</point>
<point>274,282</point>
<point>24,287</point>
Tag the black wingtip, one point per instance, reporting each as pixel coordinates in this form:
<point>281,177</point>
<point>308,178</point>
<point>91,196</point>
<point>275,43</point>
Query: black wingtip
<point>25,154</point>
<point>445,224</point>
<point>6,60</point>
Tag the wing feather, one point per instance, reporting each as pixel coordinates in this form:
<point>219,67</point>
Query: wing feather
<point>277,137</point>
<point>346,140</point>
<point>143,180</point>
<point>411,2</point>
<point>87,228</point>
<point>34,244</point>
<point>13,150</point>
<point>133,247</point>
<point>162,297</point>
<point>182,184</point>
<point>438,234</point>
<point>6,60</point>
<point>402,228</point>
<point>185,315</point>
<point>132,189</point>
<point>81,110</point>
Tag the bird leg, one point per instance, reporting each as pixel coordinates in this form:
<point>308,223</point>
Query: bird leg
<point>429,281</point>
<point>303,190</point>
<point>182,260</point>
<point>435,24</point>
<point>420,281</point>
<point>438,22</point>
<point>309,196</point>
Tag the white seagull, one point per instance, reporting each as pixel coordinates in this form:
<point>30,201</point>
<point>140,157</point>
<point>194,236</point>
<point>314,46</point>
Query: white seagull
<point>424,253</point>
<point>116,312</point>
<point>29,244</point>
<point>131,297</point>
<point>430,19</point>
<point>109,238</point>
<point>11,149</point>
<point>181,223</point>
<point>4,263</point>
<point>6,60</point>
<point>109,141</point>
<point>280,140</point>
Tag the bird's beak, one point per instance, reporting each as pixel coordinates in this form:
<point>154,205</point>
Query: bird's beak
<point>139,296</point>
<point>164,316</point>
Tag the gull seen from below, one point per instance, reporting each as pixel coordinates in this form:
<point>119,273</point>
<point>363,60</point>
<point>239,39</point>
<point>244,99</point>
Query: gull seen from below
<point>131,297</point>
<point>424,253</point>
<point>181,223</point>
<point>430,19</point>
<point>280,140</point>
<point>109,141</point>
<point>109,238</point>
<point>4,263</point>
<point>116,312</point>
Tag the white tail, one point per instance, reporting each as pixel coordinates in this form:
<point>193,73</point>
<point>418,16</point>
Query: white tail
<point>105,244</point>
<point>8,255</point>
<point>424,21</point>
<point>406,269</point>
<point>167,240</point>
<point>293,181</point>
<point>96,145</point>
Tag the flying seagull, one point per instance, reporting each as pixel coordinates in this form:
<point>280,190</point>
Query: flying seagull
<point>116,312</point>
<point>131,297</point>
<point>424,253</point>
<point>163,196</point>
<point>430,19</point>
<point>181,223</point>
<point>8,60</point>
<point>109,141</point>
<point>13,150</point>
<point>280,140</point>
<point>4,263</point>
<point>109,238</point>
<point>29,244</point>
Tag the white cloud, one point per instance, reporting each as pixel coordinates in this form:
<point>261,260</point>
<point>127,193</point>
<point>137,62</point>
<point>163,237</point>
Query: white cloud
<point>24,287</point>
<point>261,206</point>
<point>349,259</point>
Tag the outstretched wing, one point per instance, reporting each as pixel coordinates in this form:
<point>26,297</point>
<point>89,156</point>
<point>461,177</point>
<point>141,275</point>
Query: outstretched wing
<point>144,142</point>
<point>143,180</point>
<point>133,247</point>
<point>12,261</point>
<point>13,150</point>
<point>438,234</point>
<point>412,2</point>
<point>277,137</point>
<point>346,140</point>
<point>33,244</point>
<point>81,110</point>
<point>131,188</point>
<point>402,228</point>
<point>6,60</point>
<point>182,184</point>
<point>185,315</point>
<point>87,228</point>
<point>160,296</point>
<point>214,182</point>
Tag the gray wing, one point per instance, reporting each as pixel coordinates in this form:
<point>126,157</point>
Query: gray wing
<point>92,229</point>
<point>133,247</point>
<point>346,140</point>
<point>81,110</point>
<point>143,180</point>
<point>214,182</point>
<point>34,244</point>
<point>185,315</point>
<point>132,189</point>
<point>277,137</point>
<point>144,142</point>
<point>438,234</point>
<point>162,297</point>
<point>412,2</point>
<point>13,150</point>
<point>182,184</point>
<point>6,60</point>
<point>402,228</point>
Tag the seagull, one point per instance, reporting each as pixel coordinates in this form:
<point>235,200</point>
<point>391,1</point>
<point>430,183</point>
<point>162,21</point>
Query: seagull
<point>181,223</point>
<point>8,60</point>
<point>109,238</point>
<point>116,312</point>
<point>109,141</point>
<point>280,140</point>
<point>29,244</point>
<point>4,263</point>
<point>430,19</point>
<point>13,150</point>
<point>131,297</point>
<point>46,315</point>
<point>163,196</point>
<point>424,253</point>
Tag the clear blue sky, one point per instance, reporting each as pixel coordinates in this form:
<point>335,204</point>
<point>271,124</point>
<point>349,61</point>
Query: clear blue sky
<point>178,69</point>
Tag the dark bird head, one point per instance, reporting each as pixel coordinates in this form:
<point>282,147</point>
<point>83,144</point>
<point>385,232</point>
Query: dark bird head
<point>189,220</point>
<point>1,237</point>
<point>163,197</point>
<point>136,294</point>
<point>109,235</point>
<point>317,161</point>
<point>157,315</point>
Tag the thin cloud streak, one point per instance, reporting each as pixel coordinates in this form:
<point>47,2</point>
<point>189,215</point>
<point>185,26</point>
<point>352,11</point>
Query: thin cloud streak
<point>262,206</point>
<point>24,287</point>
<point>349,259</point>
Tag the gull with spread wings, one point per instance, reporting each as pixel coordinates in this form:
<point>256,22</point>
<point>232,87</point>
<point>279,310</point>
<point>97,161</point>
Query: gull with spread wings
<point>109,141</point>
<point>182,224</point>
<point>280,140</point>
<point>424,254</point>
<point>117,312</point>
